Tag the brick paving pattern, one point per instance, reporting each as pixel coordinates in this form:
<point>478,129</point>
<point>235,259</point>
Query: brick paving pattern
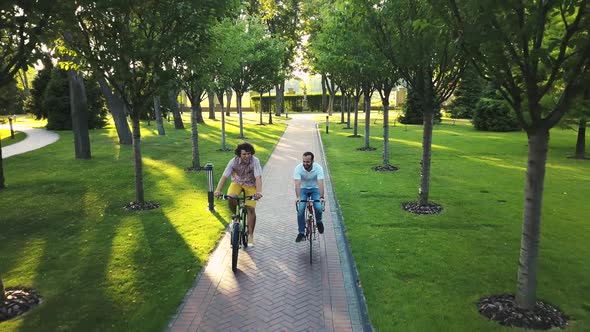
<point>275,287</point>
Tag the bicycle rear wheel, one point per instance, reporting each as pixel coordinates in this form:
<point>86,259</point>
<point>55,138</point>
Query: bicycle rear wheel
<point>235,246</point>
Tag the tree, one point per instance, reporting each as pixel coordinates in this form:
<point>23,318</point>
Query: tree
<point>24,25</point>
<point>530,50</point>
<point>130,42</point>
<point>428,59</point>
<point>283,22</point>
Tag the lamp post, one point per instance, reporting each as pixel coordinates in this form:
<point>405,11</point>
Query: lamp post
<point>209,170</point>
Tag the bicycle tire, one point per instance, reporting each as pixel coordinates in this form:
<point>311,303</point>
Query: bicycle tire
<point>309,220</point>
<point>235,241</point>
<point>244,227</point>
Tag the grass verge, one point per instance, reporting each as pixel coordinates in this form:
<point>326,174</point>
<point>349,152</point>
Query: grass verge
<point>100,268</point>
<point>426,273</point>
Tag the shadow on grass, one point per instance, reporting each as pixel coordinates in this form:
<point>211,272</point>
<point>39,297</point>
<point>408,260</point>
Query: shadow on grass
<point>117,272</point>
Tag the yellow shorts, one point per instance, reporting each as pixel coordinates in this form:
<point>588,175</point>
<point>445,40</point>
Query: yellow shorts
<point>236,190</point>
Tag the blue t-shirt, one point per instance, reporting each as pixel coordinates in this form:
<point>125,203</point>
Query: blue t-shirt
<point>309,179</point>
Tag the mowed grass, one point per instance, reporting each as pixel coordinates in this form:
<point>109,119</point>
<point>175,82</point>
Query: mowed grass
<point>6,138</point>
<point>63,229</point>
<point>426,273</point>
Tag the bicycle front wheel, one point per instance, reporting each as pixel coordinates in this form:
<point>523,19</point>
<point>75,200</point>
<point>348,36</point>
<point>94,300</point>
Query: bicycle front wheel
<point>235,246</point>
<point>244,228</point>
<point>311,233</point>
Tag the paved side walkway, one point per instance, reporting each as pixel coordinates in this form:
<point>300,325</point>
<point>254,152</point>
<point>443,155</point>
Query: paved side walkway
<point>276,288</point>
<point>36,139</point>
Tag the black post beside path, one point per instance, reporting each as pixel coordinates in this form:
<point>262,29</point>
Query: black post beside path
<point>11,130</point>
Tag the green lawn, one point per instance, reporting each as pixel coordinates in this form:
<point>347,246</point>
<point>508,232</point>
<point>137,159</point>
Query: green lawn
<point>7,140</point>
<point>426,273</point>
<point>100,268</point>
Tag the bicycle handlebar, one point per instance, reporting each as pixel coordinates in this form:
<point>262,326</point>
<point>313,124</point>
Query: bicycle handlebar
<point>309,200</point>
<point>248,198</point>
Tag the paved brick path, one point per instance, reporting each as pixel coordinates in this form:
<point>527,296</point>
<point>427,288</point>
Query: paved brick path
<point>275,287</point>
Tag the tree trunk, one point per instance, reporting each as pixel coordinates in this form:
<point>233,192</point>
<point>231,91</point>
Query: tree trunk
<point>211,97</point>
<point>424,190</point>
<point>2,185</point>
<point>195,135</point>
<point>79,114</point>
<point>324,95</point>
<point>172,94</point>
<point>270,109</point>
<point>279,99</point>
<point>220,98</point>
<point>538,143</point>
<point>581,141</point>
<point>356,116</point>
<point>117,108</point>
<point>2,292</point>
<point>342,107</point>
<point>228,96</point>
<point>331,97</point>
<point>239,104</point>
<point>367,107</point>
<point>261,123</point>
<point>139,194</point>
<point>348,110</point>
<point>226,108</point>
<point>159,119</point>
<point>385,102</point>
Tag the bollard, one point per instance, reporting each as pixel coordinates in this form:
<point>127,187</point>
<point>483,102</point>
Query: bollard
<point>209,170</point>
<point>11,130</point>
<point>327,117</point>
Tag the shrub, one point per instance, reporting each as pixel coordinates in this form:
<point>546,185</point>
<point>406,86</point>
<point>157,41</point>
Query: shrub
<point>493,115</point>
<point>11,99</point>
<point>467,95</point>
<point>413,111</point>
<point>56,103</point>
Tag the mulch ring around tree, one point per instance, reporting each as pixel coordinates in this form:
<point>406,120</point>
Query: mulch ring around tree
<point>415,207</point>
<point>385,168</point>
<point>502,309</point>
<point>134,206</point>
<point>368,148</point>
<point>18,301</point>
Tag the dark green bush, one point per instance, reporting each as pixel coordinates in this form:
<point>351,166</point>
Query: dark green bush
<point>39,85</point>
<point>493,115</point>
<point>56,103</point>
<point>412,110</point>
<point>11,99</point>
<point>467,95</point>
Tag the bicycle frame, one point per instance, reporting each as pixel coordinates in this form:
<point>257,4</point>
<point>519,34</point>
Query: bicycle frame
<point>310,224</point>
<point>239,227</point>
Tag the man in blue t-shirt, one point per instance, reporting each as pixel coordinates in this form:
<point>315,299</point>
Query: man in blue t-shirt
<point>309,181</point>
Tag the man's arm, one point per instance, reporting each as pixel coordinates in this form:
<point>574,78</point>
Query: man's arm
<point>220,185</point>
<point>321,186</point>
<point>297,188</point>
<point>258,187</point>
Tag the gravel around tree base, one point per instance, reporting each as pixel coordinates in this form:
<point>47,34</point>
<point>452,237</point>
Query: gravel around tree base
<point>415,207</point>
<point>18,301</point>
<point>134,206</point>
<point>368,148</point>
<point>502,309</point>
<point>385,168</point>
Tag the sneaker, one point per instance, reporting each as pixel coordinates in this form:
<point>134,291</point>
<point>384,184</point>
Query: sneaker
<point>320,227</point>
<point>251,240</point>
<point>300,237</point>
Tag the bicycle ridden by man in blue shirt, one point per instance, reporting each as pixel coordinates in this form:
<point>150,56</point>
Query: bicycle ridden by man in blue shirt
<point>309,181</point>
